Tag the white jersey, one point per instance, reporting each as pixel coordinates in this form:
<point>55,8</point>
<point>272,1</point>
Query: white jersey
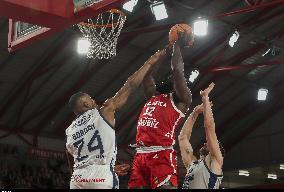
<point>199,176</point>
<point>91,140</point>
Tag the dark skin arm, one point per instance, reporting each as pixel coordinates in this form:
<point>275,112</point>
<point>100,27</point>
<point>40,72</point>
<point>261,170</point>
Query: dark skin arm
<point>149,85</point>
<point>120,98</point>
<point>182,91</point>
<point>120,170</point>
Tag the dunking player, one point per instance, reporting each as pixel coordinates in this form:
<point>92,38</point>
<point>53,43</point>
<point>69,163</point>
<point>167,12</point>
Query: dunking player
<point>91,136</point>
<point>205,173</point>
<point>155,163</point>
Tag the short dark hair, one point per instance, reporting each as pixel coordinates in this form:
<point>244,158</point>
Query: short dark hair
<point>74,98</point>
<point>165,86</point>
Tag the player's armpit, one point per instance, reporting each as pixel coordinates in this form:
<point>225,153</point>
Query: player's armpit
<point>133,81</point>
<point>107,111</point>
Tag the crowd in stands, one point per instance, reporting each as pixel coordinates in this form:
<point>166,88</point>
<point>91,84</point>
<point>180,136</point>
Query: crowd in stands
<point>20,171</point>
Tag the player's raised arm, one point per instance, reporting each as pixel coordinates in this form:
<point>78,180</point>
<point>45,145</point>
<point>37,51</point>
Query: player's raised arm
<point>209,124</point>
<point>185,134</point>
<point>182,91</point>
<point>132,82</point>
<point>149,85</point>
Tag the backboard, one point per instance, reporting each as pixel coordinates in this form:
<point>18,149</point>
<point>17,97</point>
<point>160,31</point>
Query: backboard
<point>48,17</point>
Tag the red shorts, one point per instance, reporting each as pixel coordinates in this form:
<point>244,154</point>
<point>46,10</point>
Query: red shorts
<point>154,169</point>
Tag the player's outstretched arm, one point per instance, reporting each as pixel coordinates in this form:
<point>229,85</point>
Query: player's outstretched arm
<point>185,134</point>
<point>182,91</point>
<point>149,85</point>
<point>132,82</point>
<point>209,124</point>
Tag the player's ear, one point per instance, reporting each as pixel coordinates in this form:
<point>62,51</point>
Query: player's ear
<point>87,104</point>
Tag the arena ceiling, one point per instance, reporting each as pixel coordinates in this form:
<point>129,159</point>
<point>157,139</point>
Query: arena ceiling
<point>37,81</point>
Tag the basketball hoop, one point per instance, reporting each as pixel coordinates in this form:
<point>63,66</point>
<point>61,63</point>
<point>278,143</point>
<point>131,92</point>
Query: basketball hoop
<point>103,32</point>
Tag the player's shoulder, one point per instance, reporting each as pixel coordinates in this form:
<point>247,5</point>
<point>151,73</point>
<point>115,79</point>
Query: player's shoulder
<point>109,103</point>
<point>85,117</point>
<point>69,128</point>
<point>81,119</point>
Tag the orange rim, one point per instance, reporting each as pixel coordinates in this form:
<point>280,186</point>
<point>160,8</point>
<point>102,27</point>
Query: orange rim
<point>107,25</point>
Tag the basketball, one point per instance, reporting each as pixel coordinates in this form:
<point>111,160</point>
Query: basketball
<point>183,28</point>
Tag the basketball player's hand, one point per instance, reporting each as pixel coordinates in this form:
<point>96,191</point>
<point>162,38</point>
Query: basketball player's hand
<point>206,92</point>
<point>169,49</point>
<point>198,109</point>
<point>122,169</point>
<point>185,40</point>
<point>154,58</point>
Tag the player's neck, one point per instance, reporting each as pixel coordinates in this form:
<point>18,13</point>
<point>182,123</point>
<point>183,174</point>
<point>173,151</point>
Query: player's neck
<point>81,113</point>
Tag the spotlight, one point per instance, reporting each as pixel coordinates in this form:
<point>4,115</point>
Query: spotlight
<point>159,10</point>
<point>234,38</point>
<point>129,5</point>
<point>243,173</point>
<point>281,166</point>
<point>262,94</point>
<point>83,46</point>
<point>200,27</point>
<point>271,176</point>
<point>193,76</point>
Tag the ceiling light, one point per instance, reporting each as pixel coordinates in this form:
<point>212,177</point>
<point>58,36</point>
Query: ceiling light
<point>129,5</point>
<point>271,176</point>
<point>83,46</point>
<point>234,38</point>
<point>262,94</point>
<point>159,10</point>
<point>193,76</point>
<point>200,27</point>
<point>243,173</point>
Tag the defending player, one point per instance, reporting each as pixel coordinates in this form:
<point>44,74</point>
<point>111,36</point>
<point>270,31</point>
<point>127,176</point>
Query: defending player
<point>206,172</point>
<point>91,136</point>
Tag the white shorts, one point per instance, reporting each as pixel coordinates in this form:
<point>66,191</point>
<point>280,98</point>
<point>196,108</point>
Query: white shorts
<point>94,177</point>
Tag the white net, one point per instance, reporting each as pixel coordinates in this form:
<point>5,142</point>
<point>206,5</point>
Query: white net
<point>103,32</point>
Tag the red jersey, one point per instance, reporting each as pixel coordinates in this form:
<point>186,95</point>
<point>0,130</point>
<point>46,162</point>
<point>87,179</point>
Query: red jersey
<point>158,121</point>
